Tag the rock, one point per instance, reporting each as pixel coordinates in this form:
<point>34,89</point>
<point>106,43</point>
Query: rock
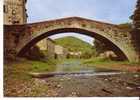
<point>106,79</point>
<point>68,78</point>
<point>136,76</point>
<point>138,87</point>
<point>61,79</point>
<point>73,94</point>
<point>106,91</point>
<point>48,84</point>
<point>129,88</point>
<point>58,86</point>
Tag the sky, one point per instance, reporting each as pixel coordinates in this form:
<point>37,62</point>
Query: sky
<point>111,11</point>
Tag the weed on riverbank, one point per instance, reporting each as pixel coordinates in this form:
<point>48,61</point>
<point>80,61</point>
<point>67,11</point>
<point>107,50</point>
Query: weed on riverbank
<point>114,65</point>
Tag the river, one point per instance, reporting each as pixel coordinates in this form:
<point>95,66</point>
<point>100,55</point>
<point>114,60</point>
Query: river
<point>76,66</point>
<point>93,82</point>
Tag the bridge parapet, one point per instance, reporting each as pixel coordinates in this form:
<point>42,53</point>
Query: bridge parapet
<point>108,30</point>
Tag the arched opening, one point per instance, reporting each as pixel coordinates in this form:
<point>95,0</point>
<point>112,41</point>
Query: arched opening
<point>97,36</point>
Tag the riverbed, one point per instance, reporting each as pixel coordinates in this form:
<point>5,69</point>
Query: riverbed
<point>94,82</point>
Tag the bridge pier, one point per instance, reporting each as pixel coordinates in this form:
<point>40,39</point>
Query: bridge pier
<point>13,35</point>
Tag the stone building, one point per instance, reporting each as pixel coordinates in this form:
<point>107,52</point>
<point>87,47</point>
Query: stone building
<point>15,12</point>
<point>60,52</point>
<point>50,48</point>
<point>47,46</point>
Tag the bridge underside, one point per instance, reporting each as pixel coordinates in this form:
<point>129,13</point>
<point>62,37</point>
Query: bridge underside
<point>108,43</point>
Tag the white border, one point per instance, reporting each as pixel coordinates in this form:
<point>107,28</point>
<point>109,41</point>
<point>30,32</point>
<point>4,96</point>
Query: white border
<point>84,98</point>
<point>81,98</point>
<point>1,46</point>
<point>1,74</point>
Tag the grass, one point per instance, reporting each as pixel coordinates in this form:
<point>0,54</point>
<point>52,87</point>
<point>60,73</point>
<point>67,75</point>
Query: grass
<point>38,66</point>
<point>21,69</point>
<point>71,43</point>
<point>109,64</point>
<point>17,81</point>
<point>99,60</point>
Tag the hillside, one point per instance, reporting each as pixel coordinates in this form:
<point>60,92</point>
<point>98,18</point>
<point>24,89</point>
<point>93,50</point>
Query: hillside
<point>73,44</point>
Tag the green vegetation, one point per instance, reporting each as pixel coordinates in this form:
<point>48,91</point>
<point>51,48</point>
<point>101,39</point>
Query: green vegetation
<point>18,82</point>
<point>126,26</point>
<point>38,66</point>
<point>22,68</point>
<point>109,64</point>
<point>74,44</point>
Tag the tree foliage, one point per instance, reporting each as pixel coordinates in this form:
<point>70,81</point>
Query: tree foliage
<point>125,26</point>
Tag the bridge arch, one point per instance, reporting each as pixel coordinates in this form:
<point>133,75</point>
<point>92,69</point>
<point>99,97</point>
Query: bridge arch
<point>103,39</point>
<point>118,40</point>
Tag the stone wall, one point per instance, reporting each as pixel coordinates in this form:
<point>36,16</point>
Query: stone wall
<point>12,37</point>
<point>60,52</point>
<point>42,44</point>
<point>50,48</point>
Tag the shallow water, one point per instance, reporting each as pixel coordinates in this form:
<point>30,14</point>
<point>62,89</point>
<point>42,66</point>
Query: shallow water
<point>75,65</point>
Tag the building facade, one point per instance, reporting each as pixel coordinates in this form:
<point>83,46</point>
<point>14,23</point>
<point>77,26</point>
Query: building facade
<point>50,48</point>
<point>60,52</point>
<point>15,12</point>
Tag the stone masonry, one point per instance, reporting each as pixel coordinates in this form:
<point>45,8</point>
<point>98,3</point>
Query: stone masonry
<point>15,12</point>
<point>18,39</point>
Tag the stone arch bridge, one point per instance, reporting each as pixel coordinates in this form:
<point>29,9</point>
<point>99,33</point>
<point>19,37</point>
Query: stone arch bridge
<point>20,38</point>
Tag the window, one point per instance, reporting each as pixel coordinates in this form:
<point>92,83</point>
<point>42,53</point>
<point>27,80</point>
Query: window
<point>5,8</point>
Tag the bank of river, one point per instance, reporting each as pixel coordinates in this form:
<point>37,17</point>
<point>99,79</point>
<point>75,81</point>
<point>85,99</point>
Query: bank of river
<point>17,82</point>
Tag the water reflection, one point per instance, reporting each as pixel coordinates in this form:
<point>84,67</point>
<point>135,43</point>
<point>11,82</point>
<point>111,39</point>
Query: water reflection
<point>75,65</point>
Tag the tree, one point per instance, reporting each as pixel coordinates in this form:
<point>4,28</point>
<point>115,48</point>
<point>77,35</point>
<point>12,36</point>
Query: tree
<point>125,26</point>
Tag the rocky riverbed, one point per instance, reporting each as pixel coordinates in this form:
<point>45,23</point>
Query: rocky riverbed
<point>126,84</point>
<point>18,83</point>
